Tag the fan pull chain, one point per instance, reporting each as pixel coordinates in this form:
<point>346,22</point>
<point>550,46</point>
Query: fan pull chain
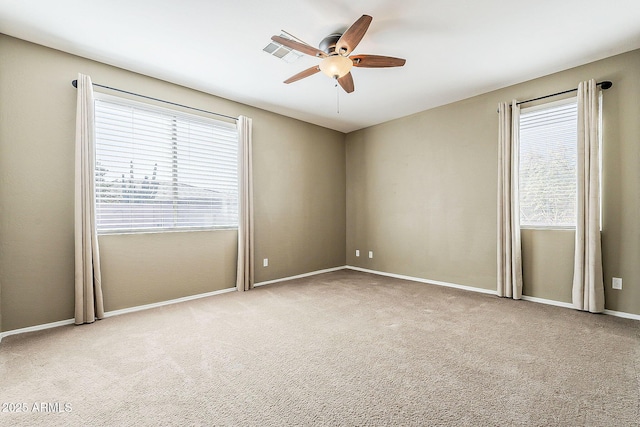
<point>337,97</point>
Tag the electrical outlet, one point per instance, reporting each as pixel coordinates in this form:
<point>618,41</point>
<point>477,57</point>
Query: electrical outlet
<point>370,254</point>
<point>357,252</point>
<point>265,262</point>
<point>616,283</point>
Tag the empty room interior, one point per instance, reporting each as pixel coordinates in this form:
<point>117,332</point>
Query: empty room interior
<point>401,242</point>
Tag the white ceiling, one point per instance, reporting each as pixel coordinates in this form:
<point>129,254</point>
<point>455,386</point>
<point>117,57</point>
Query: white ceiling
<point>454,48</point>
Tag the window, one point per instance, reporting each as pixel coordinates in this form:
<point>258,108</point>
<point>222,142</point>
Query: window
<point>159,170</point>
<point>548,165</point>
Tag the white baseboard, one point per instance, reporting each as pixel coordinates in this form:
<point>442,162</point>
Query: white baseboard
<point>569,305</point>
<point>313,273</point>
<point>622,314</point>
<point>36,328</point>
<point>114,313</point>
<point>491,292</point>
<point>548,301</point>
<point>162,303</point>
<point>430,282</point>
<point>299,276</point>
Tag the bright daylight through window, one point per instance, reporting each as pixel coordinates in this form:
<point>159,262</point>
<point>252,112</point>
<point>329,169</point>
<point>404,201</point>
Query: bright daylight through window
<point>162,170</point>
<point>548,165</point>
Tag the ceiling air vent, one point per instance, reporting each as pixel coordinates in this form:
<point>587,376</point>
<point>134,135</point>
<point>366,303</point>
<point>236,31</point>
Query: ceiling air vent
<point>283,52</point>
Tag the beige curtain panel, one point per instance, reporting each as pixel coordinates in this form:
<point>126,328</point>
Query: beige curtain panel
<point>509,245</point>
<point>588,282</point>
<point>88,287</point>
<point>245,276</point>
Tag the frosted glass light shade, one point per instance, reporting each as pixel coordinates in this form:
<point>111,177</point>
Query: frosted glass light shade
<point>336,66</point>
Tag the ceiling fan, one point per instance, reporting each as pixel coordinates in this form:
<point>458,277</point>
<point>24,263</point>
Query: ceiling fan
<point>334,51</point>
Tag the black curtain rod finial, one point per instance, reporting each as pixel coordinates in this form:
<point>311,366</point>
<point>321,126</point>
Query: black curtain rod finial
<point>74,84</point>
<point>606,84</point>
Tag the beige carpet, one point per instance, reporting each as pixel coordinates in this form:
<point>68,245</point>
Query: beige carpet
<point>343,348</point>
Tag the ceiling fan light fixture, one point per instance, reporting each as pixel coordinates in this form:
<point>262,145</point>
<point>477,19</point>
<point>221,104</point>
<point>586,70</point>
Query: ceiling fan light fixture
<point>334,51</point>
<point>336,66</point>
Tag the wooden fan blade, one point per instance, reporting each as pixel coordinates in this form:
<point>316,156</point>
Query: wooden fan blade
<point>300,47</point>
<point>350,39</point>
<point>376,61</point>
<point>346,82</point>
<point>301,75</point>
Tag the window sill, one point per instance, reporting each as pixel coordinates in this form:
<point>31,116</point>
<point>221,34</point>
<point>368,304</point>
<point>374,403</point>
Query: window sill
<point>186,230</point>
<point>547,228</point>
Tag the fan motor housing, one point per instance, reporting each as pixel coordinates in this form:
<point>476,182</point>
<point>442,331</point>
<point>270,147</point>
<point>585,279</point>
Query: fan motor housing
<point>328,44</point>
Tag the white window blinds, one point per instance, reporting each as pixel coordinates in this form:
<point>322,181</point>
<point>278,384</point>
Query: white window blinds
<point>548,165</point>
<point>158,169</point>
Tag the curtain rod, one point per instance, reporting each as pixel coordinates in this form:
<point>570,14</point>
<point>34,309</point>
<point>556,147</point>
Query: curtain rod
<point>75,84</point>
<point>605,85</point>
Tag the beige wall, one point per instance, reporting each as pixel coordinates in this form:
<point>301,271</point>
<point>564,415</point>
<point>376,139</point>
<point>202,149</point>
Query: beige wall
<point>299,197</point>
<point>418,191</point>
<point>547,273</point>
<point>140,269</point>
<point>417,197</point>
<point>421,192</point>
